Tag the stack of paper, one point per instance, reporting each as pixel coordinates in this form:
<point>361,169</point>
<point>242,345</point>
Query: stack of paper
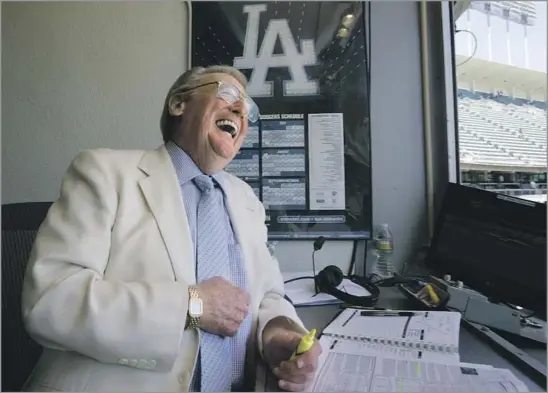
<point>341,370</point>
<point>402,351</point>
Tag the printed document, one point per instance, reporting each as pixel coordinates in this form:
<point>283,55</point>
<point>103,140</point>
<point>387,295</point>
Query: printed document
<point>340,370</point>
<point>426,330</point>
<point>326,161</point>
<point>388,350</point>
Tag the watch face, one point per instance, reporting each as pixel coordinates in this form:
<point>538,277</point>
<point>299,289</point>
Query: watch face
<point>195,307</point>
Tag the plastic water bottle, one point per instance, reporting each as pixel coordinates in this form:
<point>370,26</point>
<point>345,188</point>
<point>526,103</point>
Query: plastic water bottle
<point>384,249</point>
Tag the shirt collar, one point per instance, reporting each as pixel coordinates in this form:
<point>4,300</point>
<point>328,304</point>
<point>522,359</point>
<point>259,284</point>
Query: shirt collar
<point>186,168</point>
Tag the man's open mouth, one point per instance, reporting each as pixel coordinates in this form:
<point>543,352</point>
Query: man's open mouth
<point>228,126</point>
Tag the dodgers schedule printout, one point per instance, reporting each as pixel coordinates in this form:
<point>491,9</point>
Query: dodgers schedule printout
<point>308,157</point>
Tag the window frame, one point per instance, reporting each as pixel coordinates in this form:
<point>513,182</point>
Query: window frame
<point>450,84</point>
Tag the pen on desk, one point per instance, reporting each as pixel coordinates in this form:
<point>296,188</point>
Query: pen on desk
<point>306,343</point>
<point>373,313</point>
<point>346,305</point>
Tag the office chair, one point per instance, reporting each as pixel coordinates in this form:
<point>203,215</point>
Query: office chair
<point>20,222</point>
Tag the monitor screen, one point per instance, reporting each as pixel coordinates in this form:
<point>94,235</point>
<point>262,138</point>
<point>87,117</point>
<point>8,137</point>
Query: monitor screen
<point>494,243</point>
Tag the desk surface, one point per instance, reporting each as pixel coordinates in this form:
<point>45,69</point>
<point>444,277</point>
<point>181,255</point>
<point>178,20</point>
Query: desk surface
<point>472,348</point>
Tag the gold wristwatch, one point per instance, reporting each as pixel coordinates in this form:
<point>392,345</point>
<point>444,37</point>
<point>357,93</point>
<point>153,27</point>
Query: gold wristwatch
<point>195,308</point>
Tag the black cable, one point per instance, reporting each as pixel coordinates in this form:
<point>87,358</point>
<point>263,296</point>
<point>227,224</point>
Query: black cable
<point>298,279</point>
<point>365,257</point>
<point>398,280</point>
<point>314,271</point>
<point>318,244</point>
<point>367,43</point>
<point>374,278</point>
<point>475,46</point>
<point>353,258</point>
<point>455,92</point>
<point>368,5</point>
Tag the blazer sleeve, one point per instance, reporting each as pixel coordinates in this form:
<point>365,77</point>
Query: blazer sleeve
<point>66,302</point>
<point>273,303</point>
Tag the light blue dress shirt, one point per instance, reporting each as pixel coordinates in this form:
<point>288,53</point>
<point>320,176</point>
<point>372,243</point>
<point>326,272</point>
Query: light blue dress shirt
<point>187,170</point>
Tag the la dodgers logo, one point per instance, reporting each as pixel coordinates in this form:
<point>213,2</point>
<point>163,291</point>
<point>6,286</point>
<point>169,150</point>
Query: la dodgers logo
<point>260,62</point>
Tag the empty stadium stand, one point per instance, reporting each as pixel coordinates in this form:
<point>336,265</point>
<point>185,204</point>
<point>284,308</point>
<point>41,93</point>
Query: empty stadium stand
<point>501,131</point>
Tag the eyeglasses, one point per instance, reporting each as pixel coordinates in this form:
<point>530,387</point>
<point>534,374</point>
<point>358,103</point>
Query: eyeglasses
<point>231,94</point>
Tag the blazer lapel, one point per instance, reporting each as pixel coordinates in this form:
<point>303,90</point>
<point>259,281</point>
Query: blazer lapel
<point>163,195</point>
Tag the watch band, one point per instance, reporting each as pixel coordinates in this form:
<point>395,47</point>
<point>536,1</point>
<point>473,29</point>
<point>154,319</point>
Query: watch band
<point>193,321</point>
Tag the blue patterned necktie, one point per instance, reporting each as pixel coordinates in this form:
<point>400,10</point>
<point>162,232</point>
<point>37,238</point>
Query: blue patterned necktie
<point>213,260</point>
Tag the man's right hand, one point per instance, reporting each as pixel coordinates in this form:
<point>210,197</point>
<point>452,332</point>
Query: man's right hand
<point>225,306</point>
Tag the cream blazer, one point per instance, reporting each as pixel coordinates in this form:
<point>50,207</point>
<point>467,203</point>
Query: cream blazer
<point>106,288</point>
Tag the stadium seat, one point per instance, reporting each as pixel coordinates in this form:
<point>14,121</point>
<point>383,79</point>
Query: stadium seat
<point>501,130</point>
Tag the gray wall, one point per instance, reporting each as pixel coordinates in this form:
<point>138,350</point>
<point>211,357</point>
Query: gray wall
<point>397,125</point>
<point>81,75</point>
<point>84,75</point>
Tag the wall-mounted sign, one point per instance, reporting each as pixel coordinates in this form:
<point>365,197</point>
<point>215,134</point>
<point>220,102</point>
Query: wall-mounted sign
<point>308,157</point>
<point>261,60</point>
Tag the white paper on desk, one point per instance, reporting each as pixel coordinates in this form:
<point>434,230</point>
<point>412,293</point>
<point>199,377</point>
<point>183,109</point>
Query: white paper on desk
<point>266,382</point>
<point>301,292</point>
<point>348,372</point>
<point>385,350</point>
<point>438,328</point>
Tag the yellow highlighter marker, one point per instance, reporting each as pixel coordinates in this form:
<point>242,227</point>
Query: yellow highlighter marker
<point>305,344</point>
<point>433,294</point>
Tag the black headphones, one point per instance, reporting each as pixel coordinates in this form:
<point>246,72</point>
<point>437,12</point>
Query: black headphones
<point>329,278</point>
<point>332,276</point>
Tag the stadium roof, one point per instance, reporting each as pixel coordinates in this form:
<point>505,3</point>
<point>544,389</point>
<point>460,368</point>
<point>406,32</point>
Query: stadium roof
<point>459,7</point>
<point>498,74</point>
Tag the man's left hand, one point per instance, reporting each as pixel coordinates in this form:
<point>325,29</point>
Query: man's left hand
<point>293,375</point>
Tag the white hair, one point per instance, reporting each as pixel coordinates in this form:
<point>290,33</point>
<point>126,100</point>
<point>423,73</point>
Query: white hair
<point>168,122</point>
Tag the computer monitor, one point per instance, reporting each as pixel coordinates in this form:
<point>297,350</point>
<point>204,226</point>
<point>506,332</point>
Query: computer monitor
<point>494,243</point>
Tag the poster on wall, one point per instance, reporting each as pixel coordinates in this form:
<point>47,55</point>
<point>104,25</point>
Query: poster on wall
<point>307,158</point>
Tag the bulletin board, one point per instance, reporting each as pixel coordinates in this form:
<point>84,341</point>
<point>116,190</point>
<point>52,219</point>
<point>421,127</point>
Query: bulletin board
<point>308,158</point>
